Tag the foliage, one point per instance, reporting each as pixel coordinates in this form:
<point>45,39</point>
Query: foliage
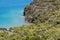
<point>41,31</point>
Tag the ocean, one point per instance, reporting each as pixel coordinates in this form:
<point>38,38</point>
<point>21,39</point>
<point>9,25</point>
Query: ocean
<point>10,17</point>
<point>11,13</point>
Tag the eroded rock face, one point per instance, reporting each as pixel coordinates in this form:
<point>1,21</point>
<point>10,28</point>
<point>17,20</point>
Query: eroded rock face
<point>41,11</point>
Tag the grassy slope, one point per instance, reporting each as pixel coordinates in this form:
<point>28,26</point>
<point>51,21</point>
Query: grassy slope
<point>41,31</point>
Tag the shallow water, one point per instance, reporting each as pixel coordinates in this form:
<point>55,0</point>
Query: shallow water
<point>12,15</point>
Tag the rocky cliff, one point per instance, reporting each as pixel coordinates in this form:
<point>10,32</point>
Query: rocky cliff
<point>42,11</point>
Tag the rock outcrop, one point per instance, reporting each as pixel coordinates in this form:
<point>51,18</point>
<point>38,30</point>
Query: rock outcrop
<point>41,11</point>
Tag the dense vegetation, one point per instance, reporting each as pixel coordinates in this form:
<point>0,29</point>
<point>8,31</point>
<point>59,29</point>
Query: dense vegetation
<point>45,26</point>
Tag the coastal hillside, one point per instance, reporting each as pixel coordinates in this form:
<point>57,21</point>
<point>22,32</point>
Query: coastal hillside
<point>44,19</point>
<point>31,32</point>
<point>42,11</point>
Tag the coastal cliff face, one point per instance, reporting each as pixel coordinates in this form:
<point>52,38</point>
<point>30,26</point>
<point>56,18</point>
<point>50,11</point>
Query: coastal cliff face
<point>42,11</point>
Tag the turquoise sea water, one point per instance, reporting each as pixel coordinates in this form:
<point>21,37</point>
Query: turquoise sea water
<point>12,15</point>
